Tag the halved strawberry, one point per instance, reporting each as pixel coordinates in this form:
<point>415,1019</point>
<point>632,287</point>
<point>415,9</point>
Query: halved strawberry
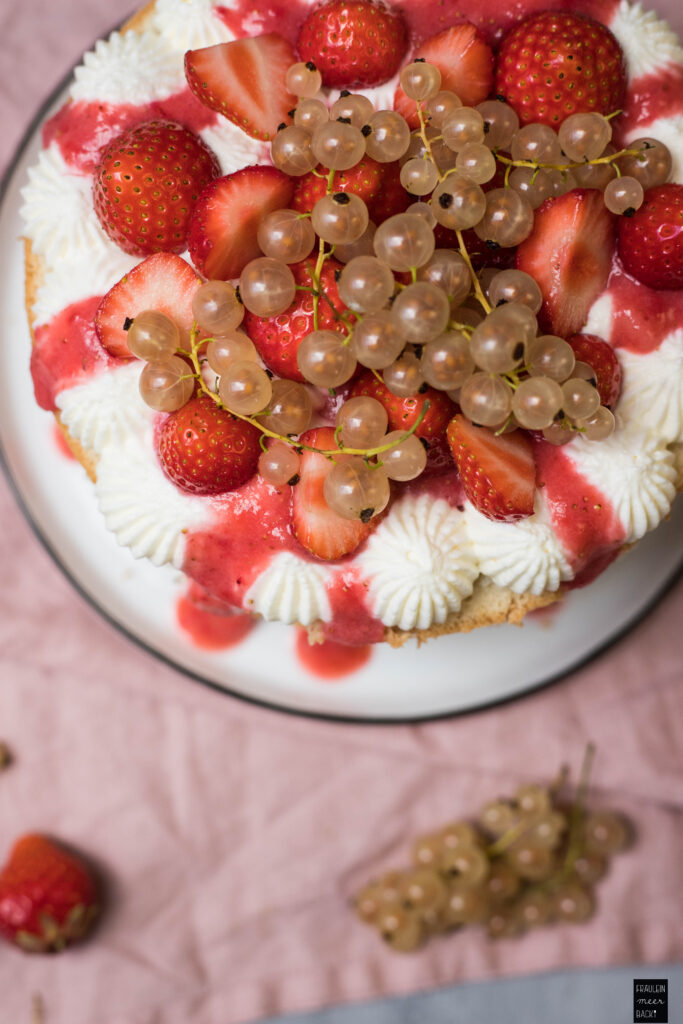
<point>569,253</point>
<point>465,61</point>
<point>164,282</point>
<point>277,338</point>
<point>224,225</point>
<point>497,473</point>
<point>245,81</point>
<point>316,527</point>
<point>403,412</point>
<point>603,359</point>
<point>365,179</point>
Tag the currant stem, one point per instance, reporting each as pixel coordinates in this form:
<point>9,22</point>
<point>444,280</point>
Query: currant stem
<point>483,301</point>
<point>509,162</point>
<point>193,355</point>
<point>578,807</point>
<point>426,142</point>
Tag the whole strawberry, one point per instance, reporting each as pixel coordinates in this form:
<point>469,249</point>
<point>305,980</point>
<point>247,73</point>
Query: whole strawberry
<point>205,450</point>
<point>47,896</point>
<point>651,241</point>
<point>277,338</point>
<point>353,42</point>
<point>555,64</point>
<point>403,412</point>
<point>365,179</point>
<point>147,183</point>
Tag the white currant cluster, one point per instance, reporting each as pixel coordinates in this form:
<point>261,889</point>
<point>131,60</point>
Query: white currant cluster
<point>525,863</point>
<point>421,316</point>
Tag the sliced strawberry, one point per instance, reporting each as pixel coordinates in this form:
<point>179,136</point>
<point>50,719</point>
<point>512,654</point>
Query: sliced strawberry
<point>497,473</point>
<point>403,412</point>
<point>365,179</point>
<point>465,61</point>
<point>316,527</point>
<point>225,221</point>
<point>164,282</point>
<point>599,355</point>
<point>569,253</point>
<point>205,450</point>
<point>278,338</point>
<point>392,197</point>
<point>245,81</point>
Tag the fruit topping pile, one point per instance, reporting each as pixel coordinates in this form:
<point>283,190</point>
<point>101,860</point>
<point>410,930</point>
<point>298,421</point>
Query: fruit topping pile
<point>524,863</point>
<point>399,285</point>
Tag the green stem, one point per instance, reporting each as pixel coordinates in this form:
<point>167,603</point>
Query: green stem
<point>578,808</point>
<point>483,301</point>
<point>367,453</point>
<point>509,162</point>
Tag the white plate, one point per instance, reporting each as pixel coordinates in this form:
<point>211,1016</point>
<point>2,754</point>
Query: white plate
<point>447,676</point>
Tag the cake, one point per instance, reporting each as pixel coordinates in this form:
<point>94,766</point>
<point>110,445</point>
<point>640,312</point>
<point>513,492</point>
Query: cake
<point>441,552</point>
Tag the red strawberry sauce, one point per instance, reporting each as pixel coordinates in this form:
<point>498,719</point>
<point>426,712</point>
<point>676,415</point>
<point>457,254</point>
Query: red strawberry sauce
<point>211,624</point>
<point>282,16</point>
<point>330,660</point>
<point>81,129</point>
<point>67,351</point>
<point>642,316</point>
<point>651,97</point>
<point>582,517</point>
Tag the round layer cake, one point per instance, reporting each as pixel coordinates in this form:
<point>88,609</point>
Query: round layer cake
<point>433,562</point>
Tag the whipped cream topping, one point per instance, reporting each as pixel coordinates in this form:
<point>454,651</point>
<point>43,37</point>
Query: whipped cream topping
<point>648,42</point>
<point>419,563</point>
<point>652,391</point>
<point>107,409</point>
<point>635,470</point>
<point>524,556</point>
<point>105,74</point>
<point>140,505</point>
<point>233,147</point>
<point>291,590</point>
<point>600,318</point>
<point>189,24</point>
<point>59,214</point>
<point>79,277</point>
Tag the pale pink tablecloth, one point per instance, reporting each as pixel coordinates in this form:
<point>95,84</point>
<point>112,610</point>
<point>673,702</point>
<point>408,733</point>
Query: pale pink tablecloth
<point>231,837</point>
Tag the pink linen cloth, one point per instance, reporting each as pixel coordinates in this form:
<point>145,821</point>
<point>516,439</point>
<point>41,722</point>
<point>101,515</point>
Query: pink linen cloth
<point>231,837</point>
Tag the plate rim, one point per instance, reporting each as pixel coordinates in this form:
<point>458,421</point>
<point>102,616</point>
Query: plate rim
<point>669,583</point>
